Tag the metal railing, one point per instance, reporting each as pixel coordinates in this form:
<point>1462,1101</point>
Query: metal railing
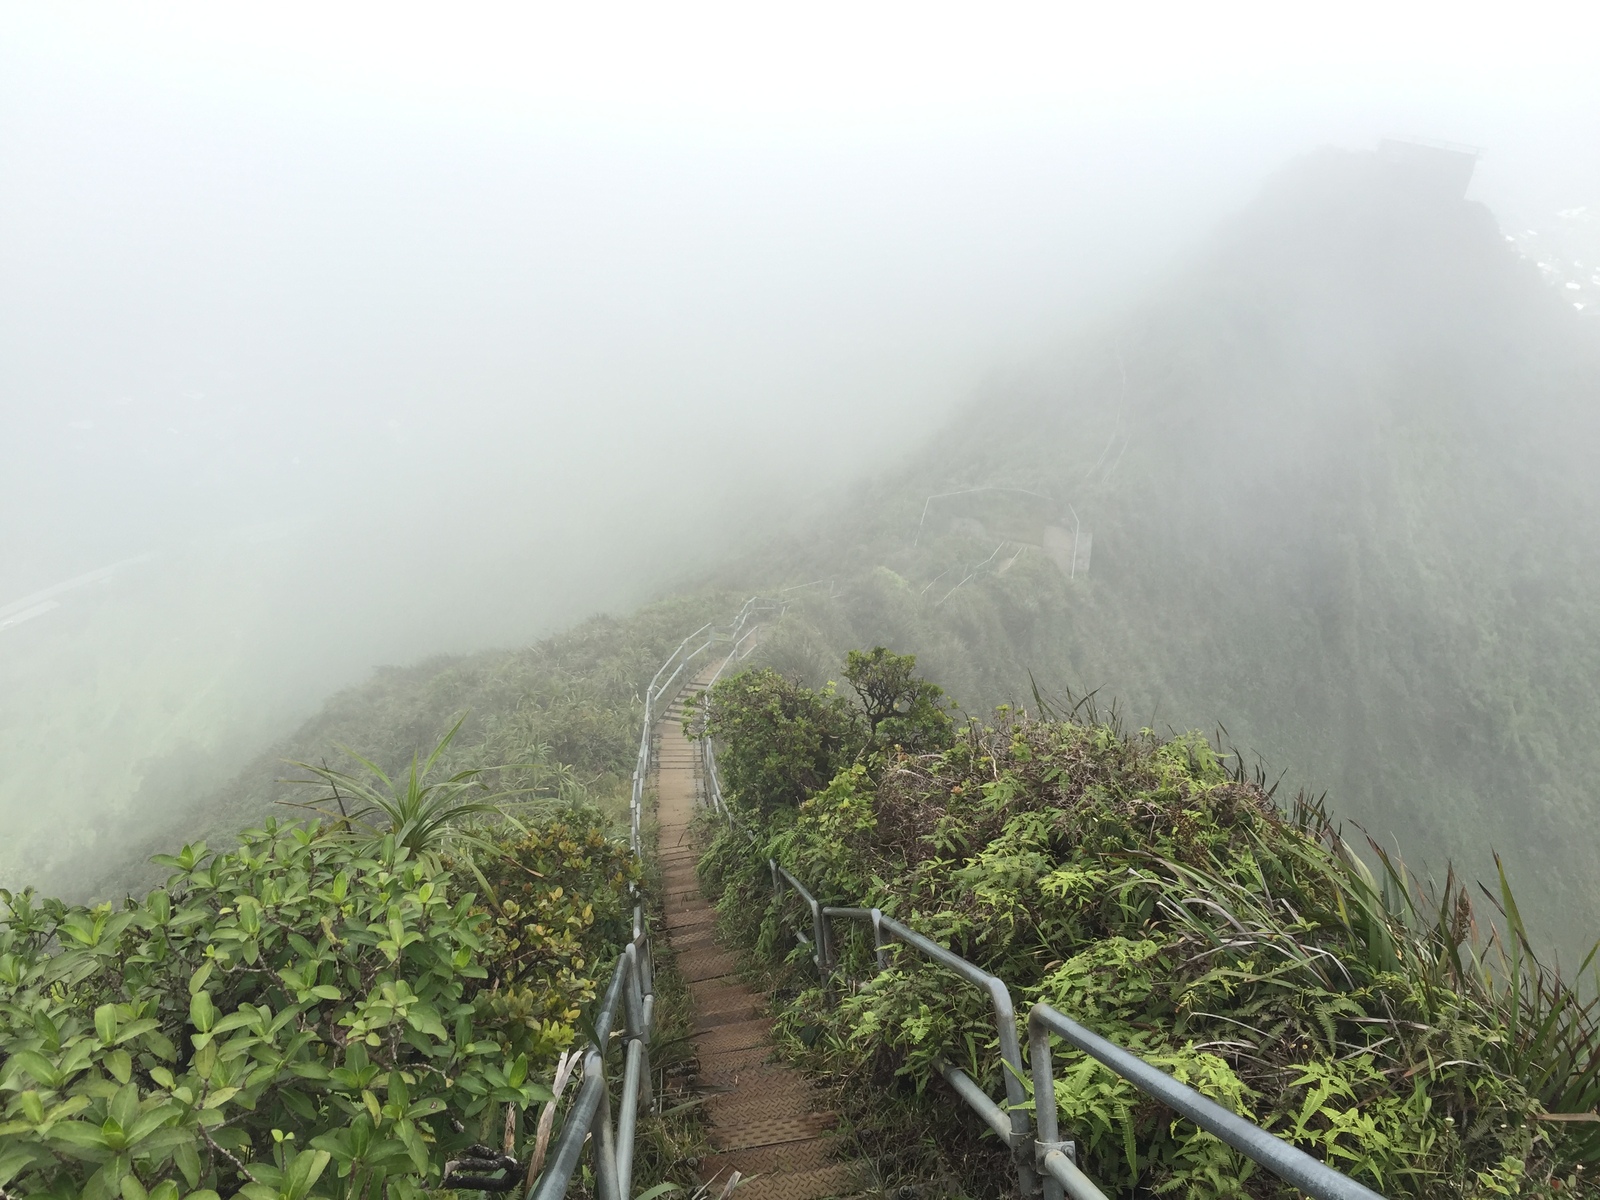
<point>1010,1120</point>
<point>632,987</point>
<point>1042,1160</point>
<point>1292,1165</point>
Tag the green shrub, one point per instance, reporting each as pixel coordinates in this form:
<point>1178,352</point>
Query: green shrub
<point>562,912</point>
<point>781,741</point>
<point>304,1016</point>
<point>899,708</point>
<point>1166,902</point>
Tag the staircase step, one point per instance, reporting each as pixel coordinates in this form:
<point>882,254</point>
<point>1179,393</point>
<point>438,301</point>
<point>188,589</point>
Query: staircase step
<point>736,1035</point>
<point>707,964</point>
<point>839,1179</point>
<point>806,1155</point>
<point>761,1115</point>
<point>772,1130</point>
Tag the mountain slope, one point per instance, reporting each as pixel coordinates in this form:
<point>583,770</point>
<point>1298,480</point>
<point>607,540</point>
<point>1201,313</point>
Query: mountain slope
<point>1329,487</point>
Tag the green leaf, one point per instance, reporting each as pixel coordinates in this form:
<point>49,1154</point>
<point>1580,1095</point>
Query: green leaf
<point>12,1160</point>
<point>415,1146</point>
<point>79,1133</point>
<point>39,1067</point>
<point>187,1156</point>
<point>120,1064</point>
<point>126,1033</point>
<point>307,1169</point>
<point>202,1011</point>
<point>124,1106</point>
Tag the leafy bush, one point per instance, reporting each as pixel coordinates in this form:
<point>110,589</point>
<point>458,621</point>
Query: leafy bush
<point>781,741</point>
<point>308,1015</point>
<point>1165,901</point>
<point>562,911</point>
<point>899,708</point>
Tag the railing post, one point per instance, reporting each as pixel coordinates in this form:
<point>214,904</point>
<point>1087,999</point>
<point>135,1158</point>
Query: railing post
<point>1045,1117</point>
<point>880,948</point>
<point>603,1137</point>
<point>638,1017</point>
<point>1005,1019</point>
<point>819,932</point>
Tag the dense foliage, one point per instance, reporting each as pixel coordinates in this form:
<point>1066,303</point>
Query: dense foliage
<point>900,708</point>
<point>782,741</point>
<point>314,1014</point>
<point>1163,900</point>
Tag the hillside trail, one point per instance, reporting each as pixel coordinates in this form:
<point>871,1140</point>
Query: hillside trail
<point>762,1114</point>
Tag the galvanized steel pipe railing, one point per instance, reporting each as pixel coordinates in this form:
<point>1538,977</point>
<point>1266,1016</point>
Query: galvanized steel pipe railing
<point>1292,1165</point>
<point>1043,1160</point>
<point>590,1113</point>
<point>632,989</point>
<point>1010,1122</point>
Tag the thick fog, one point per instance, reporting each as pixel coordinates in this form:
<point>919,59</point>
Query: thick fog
<point>333,338</point>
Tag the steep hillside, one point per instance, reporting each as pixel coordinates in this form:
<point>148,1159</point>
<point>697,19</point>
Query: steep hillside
<point>1329,487</point>
<point>565,710</point>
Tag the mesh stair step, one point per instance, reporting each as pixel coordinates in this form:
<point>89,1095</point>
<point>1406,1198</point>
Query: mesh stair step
<point>773,1130</point>
<point>737,1035</point>
<point>839,1179</point>
<point>805,1155</point>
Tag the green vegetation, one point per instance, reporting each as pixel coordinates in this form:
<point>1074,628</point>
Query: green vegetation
<point>782,741</point>
<point>1151,889</point>
<point>312,1014</point>
<point>1336,468</point>
<point>338,1006</point>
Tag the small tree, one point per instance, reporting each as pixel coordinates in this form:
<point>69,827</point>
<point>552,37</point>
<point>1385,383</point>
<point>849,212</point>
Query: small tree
<point>778,740</point>
<point>900,708</point>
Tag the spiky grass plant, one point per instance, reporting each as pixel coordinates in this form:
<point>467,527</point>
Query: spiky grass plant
<point>420,815</point>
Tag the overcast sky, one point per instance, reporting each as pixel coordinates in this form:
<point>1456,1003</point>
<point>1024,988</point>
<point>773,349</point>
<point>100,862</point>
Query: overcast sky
<point>315,239</point>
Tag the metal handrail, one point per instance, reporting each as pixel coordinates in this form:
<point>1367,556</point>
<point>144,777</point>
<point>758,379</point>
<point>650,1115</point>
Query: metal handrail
<point>1011,1121</point>
<point>632,985</point>
<point>1043,1161</point>
<point>1292,1165</point>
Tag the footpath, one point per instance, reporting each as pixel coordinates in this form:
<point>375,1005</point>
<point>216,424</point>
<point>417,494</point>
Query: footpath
<point>762,1114</point>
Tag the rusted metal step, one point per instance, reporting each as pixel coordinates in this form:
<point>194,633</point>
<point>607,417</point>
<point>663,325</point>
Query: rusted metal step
<point>774,1129</point>
<point>737,1035</point>
<point>707,964</point>
<point>805,1155</point>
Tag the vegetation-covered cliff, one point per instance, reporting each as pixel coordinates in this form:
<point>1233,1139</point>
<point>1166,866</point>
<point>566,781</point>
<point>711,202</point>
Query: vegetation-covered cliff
<point>1330,487</point>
